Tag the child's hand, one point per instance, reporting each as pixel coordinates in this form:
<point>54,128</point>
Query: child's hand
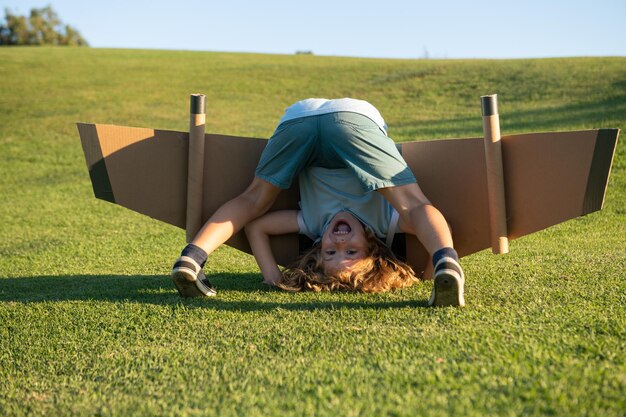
<point>272,278</point>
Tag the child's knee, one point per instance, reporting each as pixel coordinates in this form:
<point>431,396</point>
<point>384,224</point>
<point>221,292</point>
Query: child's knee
<point>260,195</point>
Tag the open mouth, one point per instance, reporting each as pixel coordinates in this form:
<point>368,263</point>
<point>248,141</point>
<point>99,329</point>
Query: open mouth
<point>342,228</point>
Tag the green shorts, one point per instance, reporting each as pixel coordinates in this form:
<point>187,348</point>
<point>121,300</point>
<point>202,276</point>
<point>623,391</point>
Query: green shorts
<point>333,141</point>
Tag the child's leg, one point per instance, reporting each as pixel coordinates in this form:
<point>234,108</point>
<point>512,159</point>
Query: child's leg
<point>416,210</point>
<point>432,230</point>
<point>231,217</point>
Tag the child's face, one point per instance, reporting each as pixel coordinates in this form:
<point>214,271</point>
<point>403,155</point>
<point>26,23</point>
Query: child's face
<point>344,243</point>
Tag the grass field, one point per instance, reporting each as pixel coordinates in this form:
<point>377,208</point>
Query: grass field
<point>90,323</point>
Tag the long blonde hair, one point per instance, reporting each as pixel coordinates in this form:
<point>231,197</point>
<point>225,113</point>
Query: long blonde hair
<point>380,271</point>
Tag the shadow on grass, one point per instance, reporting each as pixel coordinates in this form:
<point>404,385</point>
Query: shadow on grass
<point>554,118</point>
<point>159,290</point>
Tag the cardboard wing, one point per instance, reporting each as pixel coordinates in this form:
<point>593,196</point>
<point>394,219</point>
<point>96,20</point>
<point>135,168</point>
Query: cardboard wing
<point>548,178</point>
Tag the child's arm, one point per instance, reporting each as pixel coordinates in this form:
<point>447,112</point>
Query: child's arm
<point>259,231</point>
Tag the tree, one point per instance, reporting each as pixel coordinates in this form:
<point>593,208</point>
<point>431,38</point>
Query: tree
<point>43,27</point>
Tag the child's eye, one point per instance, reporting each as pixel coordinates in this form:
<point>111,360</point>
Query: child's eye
<point>351,252</point>
<point>330,252</point>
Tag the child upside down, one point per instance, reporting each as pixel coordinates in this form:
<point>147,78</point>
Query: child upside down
<point>356,193</point>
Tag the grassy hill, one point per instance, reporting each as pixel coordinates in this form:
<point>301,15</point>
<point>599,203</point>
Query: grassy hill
<point>90,323</point>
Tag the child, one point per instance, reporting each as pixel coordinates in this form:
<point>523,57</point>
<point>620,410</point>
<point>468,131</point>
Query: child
<point>340,152</point>
<point>348,257</point>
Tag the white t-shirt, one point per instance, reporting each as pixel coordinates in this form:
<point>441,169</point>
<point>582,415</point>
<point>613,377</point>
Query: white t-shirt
<point>317,106</point>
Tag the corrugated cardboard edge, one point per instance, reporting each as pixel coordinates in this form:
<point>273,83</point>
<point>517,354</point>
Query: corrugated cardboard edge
<point>598,180</point>
<point>95,162</point>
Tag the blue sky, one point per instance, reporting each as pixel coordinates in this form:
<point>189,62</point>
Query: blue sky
<point>386,28</point>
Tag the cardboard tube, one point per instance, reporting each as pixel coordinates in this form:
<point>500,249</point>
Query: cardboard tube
<point>195,170</point>
<point>495,174</point>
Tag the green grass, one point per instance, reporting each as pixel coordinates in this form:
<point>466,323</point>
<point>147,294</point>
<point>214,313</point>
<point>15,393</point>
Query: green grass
<point>90,323</point>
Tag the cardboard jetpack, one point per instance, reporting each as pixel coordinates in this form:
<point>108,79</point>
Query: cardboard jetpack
<point>490,189</point>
